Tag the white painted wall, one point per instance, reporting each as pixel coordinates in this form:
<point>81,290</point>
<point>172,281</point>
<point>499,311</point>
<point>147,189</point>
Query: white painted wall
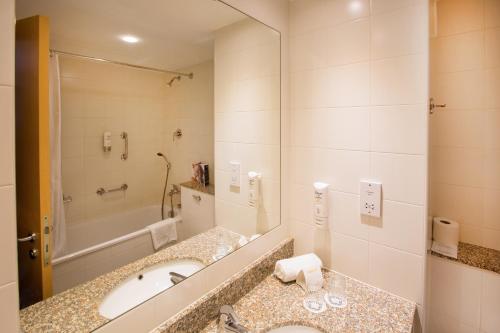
<point>9,302</point>
<point>359,110</point>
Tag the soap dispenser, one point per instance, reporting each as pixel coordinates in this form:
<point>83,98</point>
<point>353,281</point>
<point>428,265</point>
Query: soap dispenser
<point>320,214</point>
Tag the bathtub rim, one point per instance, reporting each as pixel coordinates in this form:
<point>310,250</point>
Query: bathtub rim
<point>103,245</point>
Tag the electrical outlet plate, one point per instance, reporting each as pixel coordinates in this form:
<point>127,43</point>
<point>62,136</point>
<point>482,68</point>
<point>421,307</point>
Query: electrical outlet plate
<point>371,198</point>
<point>235,173</point>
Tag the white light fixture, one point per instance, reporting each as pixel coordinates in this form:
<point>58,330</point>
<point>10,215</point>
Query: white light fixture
<point>129,39</point>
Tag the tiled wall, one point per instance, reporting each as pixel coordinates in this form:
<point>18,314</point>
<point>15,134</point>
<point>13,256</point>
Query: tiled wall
<point>462,298</point>
<point>190,107</point>
<point>358,107</point>
<point>9,304</point>
<point>247,124</point>
<point>99,97</point>
<point>465,136</point>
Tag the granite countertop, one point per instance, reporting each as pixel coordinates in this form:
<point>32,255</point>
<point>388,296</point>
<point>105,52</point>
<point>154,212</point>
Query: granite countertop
<point>272,304</point>
<point>209,189</point>
<point>476,256</point>
<point>76,309</point>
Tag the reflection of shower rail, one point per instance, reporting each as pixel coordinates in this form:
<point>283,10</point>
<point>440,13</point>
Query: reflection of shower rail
<point>102,191</point>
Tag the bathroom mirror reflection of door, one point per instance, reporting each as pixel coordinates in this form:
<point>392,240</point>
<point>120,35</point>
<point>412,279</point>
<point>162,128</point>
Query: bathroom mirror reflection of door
<point>130,117</point>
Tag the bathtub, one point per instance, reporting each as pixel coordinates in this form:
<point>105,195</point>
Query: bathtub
<point>104,244</point>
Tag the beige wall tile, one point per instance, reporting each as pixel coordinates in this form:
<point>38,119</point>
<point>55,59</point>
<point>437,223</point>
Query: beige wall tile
<point>7,23</point>
<point>402,176</point>
<point>400,227</point>
<point>492,13</point>
<point>350,256</point>
<point>380,6</point>
<point>397,272</point>
<point>345,217</point>
<point>456,16</point>
<point>490,302</point>
<point>398,129</point>
<point>446,279</point>
<point>399,80</point>
<point>8,246</point>
<point>492,47</point>
<point>399,32</point>
<point>348,43</point>
<point>458,52</point>
<point>9,307</point>
<point>6,135</point>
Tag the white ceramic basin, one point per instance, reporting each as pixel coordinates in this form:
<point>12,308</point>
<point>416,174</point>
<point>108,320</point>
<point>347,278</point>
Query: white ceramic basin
<point>144,285</point>
<point>294,329</point>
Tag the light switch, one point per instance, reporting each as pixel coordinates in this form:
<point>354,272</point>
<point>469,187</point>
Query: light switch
<point>371,198</point>
<point>235,173</point>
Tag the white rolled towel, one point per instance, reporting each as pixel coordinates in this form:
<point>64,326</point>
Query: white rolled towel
<point>287,269</point>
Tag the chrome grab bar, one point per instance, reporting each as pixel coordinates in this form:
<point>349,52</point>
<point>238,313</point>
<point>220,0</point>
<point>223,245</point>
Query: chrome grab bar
<point>124,136</point>
<point>30,238</point>
<point>102,191</point>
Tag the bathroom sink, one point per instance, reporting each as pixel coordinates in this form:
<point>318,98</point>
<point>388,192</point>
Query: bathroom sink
<point>294,329</point>
<point>144,285</point>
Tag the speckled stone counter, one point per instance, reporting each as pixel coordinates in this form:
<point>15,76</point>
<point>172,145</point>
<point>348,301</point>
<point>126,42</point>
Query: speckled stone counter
<point>273,304</point>
<point>476,256</point>
<point>210,189</point>
<point>76,309</point>
<point>198,315</point>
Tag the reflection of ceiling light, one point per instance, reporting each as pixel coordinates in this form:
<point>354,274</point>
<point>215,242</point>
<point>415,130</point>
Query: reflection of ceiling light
<point>129,39</point>
<point>355,6</point>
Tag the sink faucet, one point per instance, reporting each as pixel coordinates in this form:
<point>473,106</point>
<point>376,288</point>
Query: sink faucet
<point>229,320</point>
<point>176,277</point>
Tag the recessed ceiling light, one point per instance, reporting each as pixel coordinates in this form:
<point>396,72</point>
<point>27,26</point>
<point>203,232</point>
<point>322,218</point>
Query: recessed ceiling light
<point>129,39</point>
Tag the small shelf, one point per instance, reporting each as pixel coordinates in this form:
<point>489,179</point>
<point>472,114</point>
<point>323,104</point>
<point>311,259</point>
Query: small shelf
<point>476,256</point>
<point>210,189</point>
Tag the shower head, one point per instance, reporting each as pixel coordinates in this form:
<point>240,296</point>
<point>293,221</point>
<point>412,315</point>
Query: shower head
<point>178,78</point>
<point>165,158</point>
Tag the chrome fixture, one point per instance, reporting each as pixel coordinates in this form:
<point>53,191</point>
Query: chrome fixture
<point>197,197</point>
<point>165,186</point>
<point>67,198</point>
<point>176,277</point>
<point>432,106</point>
<point>172,80</point>
<point>124,136</point>
<point>31,238</point>
<point>175,190</point>
<point>229,321</point>
<point>102,191</point>
<point>52,52</point>
<point>177,134</point>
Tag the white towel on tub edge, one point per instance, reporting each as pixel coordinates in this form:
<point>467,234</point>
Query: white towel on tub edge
<point>163,232</point>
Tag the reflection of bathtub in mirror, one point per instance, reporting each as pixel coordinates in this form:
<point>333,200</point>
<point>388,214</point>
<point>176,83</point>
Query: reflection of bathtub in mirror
<point>104,244</point>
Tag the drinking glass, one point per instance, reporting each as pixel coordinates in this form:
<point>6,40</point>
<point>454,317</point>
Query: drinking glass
<point>336,291</point>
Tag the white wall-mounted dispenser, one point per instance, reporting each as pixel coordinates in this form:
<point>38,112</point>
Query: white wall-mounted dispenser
<point>253,188</point>
<point>106,141</point>
<point>320,206</point>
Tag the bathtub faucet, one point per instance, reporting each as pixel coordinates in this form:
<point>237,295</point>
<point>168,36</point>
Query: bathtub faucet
<point>175,190</point>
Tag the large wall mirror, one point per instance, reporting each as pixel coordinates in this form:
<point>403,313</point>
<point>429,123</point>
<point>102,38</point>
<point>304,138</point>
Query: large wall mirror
<point>158,144</point>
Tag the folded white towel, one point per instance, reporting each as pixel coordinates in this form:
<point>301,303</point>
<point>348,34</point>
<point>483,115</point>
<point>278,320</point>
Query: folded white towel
<point>163,232</point>
<point>288,269</point>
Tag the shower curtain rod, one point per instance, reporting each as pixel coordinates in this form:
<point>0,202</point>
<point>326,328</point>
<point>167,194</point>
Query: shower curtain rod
<point>189,75</point>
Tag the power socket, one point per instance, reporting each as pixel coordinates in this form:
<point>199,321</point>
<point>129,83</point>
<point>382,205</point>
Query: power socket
<point>371,198</point>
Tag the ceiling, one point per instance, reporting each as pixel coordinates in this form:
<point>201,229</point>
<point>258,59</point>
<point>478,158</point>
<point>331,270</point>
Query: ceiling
<point>174,34</point>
